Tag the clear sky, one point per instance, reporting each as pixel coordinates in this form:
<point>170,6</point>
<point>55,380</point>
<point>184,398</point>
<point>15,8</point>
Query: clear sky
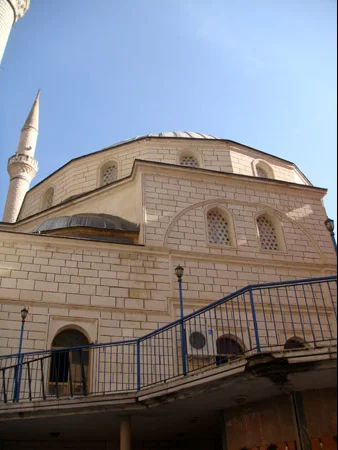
<point>262,73</point>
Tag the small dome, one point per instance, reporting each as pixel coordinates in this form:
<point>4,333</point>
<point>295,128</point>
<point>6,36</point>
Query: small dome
<point>91,220</point>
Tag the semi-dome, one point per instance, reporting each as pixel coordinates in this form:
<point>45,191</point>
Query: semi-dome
<point>93,226</point>
<point>91,220</point>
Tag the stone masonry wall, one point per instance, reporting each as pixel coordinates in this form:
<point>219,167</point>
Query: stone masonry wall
<point>113,293</point>
<point>176,206</point>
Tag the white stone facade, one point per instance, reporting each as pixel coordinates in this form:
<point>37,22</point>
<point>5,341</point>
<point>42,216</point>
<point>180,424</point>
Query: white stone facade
<point>233,217</point>
<point>116,291</point>
<point>84,174</point>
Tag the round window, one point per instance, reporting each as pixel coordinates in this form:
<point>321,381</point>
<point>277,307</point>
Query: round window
<point>197,340</point>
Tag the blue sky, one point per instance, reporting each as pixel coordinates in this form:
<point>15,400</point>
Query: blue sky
<point>262,73</point>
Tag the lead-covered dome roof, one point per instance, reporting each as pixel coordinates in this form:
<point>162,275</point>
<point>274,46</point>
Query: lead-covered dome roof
<point>90,220</point>
<point>170,134</point>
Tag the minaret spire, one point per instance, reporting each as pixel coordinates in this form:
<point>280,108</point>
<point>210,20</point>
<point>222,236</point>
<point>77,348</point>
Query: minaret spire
<point>30,130</point>
<point>22,167</point>
<point>33,116</point>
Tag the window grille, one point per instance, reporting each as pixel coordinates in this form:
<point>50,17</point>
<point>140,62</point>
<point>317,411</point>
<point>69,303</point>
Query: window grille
<point>48,198</point>
<point>218,228</point>
<point>261,172</point>
<point>188,161</point>
<point>267,234</point>
<point>109,174</point>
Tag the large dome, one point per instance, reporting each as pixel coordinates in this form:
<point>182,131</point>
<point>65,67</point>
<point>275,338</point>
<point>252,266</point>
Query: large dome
<point>171,134</point>
<point>183,134</point>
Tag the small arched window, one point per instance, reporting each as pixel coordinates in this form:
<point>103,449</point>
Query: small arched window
<point>267,234</point>
<point>48,198</point>
<point>294,343</point>
<point>227,348</point>
<point>188,160</point>
<point>69,369</point>
<point>263,170</point>
<point>218,227</point>
<point>108,173</point>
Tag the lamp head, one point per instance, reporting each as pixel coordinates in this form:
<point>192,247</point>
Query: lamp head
<point>329,223</point>
<point>24,313</point>
<point>179,272</point>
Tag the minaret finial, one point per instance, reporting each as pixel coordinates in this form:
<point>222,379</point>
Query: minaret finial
<point>22,167</point>
<point>33,116</point>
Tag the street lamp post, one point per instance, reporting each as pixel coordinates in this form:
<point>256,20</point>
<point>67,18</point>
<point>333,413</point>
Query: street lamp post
<point>329,223</point>
<point>18,369</point>
<point>179,273</point>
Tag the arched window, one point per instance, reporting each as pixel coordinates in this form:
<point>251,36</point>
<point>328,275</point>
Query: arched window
<point>294,343</point>
<point>218,227</point>
<point>261,172</point>
<point>188,160</point>
<point>48,198</point>
<point>69,369</point>
<point>227,348</point>
<point>267,234</point>
<point>262,169</point>
<point>108,173</point>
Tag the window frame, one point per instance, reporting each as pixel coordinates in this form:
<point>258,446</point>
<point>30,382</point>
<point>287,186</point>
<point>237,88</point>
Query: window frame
<point>278,233</point>
<point>265,166</point>
<point>64,388</point>
<point>231,229</point>
<point>103,167</point>
<point>43,201</point>
<point>190,153</point>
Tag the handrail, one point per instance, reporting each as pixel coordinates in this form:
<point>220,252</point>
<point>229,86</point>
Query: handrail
<point>201,310</point>
<point>256,318</point>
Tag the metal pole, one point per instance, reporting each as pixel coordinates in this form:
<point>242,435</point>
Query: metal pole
<point>19,366</point>
<point>183,341</point>
<point>254,318</point>
<point>138,360</point>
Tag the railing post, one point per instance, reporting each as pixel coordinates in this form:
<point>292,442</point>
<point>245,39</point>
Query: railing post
<point>18,368</point>
<point>183,337</point>
<point>138,362</point>
<point>83,373</point>
<point>254,318</point>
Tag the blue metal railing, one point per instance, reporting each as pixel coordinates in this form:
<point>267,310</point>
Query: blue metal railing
<point>258,318</point>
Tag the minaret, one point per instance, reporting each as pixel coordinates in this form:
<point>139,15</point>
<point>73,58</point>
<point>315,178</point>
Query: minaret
<point>22,167</point>
<point>10,12</point>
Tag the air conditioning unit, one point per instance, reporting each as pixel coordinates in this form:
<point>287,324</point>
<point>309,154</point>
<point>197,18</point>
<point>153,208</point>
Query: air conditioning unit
<point>200,342</point>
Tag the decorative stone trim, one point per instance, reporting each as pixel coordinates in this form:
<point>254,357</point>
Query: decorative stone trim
<point>20,7</point>
<point>19,158</point>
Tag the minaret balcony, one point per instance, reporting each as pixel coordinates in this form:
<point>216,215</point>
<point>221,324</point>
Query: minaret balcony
<point>19,158</point>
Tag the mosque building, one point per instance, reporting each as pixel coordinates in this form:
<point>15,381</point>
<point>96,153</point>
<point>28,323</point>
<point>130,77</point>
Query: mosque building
<point>171,291</point>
